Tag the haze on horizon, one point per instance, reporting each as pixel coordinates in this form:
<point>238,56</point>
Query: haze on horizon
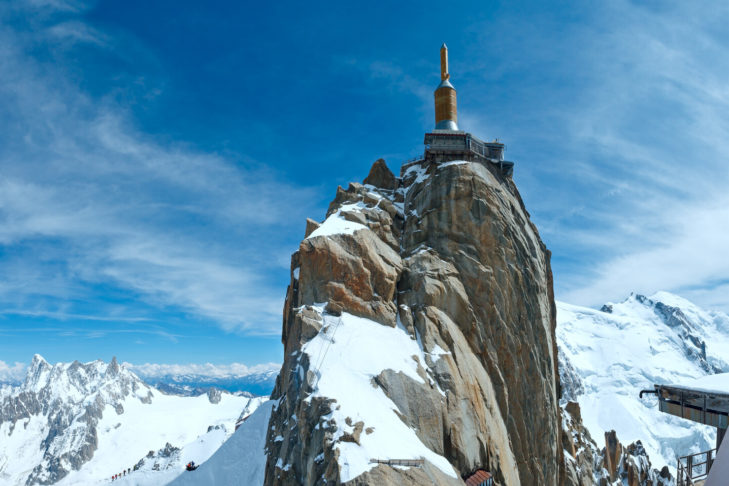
<point>157,162</point>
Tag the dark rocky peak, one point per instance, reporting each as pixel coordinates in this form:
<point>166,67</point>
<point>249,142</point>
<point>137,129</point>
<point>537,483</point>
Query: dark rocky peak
<point>214,395</point>
<point>381,176</point>
<point>113,368</point>
<point>588,464</point>
<point>38,370</point>
<point>75,366</point>
<point>641,298</point>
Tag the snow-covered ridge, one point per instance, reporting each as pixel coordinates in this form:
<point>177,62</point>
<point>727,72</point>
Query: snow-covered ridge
<point>80,423</point>
<point>607,356</point>
<point>241,460</point>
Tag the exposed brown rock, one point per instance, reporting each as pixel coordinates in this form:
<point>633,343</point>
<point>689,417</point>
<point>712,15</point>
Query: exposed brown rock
<point>355,434</point>
<point>580,464</point>
<point>381,176</point>
<point>613,452</point>
<point>311,226</point>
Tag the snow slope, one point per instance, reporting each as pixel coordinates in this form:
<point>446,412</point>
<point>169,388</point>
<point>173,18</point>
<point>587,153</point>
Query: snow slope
<point>712,383</point>
<point>182,422</point>
<point>241,461</point>
<point>608,356</point>
<point>347,353</point>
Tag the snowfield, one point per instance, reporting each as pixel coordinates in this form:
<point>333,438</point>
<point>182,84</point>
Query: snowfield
<point>241,461</point>
<point>336,224</point>
<point>631,346</point>
<point>181,421</point>
<point>606,358</point>
<point>343,355</point>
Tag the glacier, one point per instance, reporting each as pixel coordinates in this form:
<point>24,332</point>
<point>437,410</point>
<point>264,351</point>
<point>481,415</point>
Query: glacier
<point>607,356</point>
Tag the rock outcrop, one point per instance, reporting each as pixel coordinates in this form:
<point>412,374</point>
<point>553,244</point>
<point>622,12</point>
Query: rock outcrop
<point>446,263</point>
<point>613,465</point>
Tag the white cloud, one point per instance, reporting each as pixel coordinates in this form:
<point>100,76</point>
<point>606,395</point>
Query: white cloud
<point>87,199</point>
<point>690,257</point>
<point>669,226</point>
<point>12,373</point>
<point>15,373</point>
<point>207,370</point>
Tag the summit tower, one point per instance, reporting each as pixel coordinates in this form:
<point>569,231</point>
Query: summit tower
<point>446,110</point>
<point>447,142</point>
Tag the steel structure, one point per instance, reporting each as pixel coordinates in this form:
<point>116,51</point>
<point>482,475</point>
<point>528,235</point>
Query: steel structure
<point>702,406</point>
<point>447,143</point>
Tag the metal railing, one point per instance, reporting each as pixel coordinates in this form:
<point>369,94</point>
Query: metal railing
<point>399,462</point>
<point>694,467</point>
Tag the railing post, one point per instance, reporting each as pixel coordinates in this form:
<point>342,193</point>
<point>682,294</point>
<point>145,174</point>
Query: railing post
<point>679,472</point>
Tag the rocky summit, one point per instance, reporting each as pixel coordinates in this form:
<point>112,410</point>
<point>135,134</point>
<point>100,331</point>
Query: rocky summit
<point>419,337</point>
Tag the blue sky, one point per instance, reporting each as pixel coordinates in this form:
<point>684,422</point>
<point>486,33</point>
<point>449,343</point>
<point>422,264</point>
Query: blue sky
<point>158,159</point>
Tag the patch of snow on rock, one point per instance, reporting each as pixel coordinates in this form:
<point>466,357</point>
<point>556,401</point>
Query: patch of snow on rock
<point>336,224</point>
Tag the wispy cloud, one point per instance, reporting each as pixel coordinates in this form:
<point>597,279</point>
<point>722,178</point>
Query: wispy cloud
<point>88,200</point>
<point>626,146</point>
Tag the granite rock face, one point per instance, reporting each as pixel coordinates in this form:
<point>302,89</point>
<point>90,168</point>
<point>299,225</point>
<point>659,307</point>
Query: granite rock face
<point>446,255</point>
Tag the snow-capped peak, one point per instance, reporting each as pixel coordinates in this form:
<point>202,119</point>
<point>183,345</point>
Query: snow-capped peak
<point>37,373</point>
<point>607,356</point>
<point>72,382</point>
<point>692,326</point>
<point>79,423</point>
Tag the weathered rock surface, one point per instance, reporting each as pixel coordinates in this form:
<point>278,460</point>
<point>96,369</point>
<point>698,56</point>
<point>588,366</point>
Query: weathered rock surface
<point>447,254</point>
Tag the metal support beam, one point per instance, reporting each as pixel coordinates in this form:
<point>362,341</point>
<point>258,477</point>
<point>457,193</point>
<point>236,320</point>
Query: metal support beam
<point>719,436</point>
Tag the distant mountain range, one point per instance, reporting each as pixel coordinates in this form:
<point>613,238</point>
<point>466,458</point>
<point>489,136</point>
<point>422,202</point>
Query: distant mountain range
<point>81,423</point>
<point>195,379</point>
<point>188,380</point>
<point>258,384</point>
